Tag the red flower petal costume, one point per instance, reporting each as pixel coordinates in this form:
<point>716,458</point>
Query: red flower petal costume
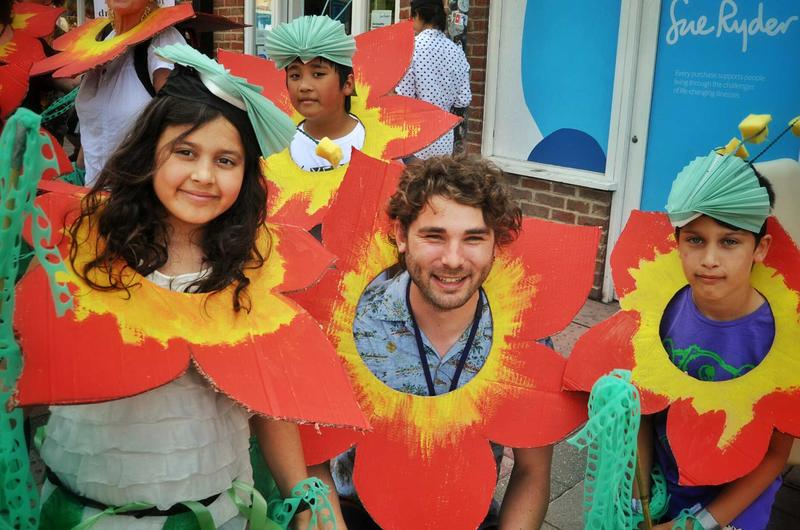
<point>81,50</point>
<point>396,126</point>
<point>428,461</point>
<point>29,23</point>
<point>718,431</point>
<point>272,360</point>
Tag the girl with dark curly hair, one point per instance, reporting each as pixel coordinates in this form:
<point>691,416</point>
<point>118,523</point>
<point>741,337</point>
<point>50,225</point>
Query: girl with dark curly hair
<point>181,204</point>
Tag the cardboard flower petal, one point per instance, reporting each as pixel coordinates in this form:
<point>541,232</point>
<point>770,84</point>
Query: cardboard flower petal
<point>82,49</point>
<point>29,22</point>
<point>410,470</point>
<point>272,359</point>
<point>13,87</point>
<point>396,126</point>
<point>738,415</point>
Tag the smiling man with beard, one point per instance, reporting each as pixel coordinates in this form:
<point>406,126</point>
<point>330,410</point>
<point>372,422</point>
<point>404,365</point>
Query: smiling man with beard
<point>428,330</point>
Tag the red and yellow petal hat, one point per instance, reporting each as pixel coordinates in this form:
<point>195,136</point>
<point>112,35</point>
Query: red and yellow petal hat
<point>738,415</point>
<point>82,49</point>
<point>274,360</point>
<point>396,126</point>
<point>419,444</point>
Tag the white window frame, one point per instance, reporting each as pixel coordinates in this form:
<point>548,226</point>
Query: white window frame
<point>617,137</point>
<point>630,116</point>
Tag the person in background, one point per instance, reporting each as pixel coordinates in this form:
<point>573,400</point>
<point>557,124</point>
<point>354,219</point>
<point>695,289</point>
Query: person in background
<point>439,71</point>
<point>44,90</point>
<point>113,95</point>
<point>317,56</point>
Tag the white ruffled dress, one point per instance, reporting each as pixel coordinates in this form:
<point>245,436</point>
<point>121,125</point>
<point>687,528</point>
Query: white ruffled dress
<point>182,441</point>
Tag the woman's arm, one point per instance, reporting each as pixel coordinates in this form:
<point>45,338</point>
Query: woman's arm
<point>160,78</point>
<point>528,493</point>
<point>282,451</point>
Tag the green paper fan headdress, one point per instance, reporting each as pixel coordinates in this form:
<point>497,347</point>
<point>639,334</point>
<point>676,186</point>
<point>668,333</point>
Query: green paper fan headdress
<point>274,130</point>
<point>723,187</point>
<point>308,37</point>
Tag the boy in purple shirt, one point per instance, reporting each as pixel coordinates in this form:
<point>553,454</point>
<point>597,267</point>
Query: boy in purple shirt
<point>717,328</point>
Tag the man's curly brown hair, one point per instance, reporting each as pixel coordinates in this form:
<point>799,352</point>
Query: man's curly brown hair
<point>466,179</point>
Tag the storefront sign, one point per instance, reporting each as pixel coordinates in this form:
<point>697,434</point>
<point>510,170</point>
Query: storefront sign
<point>717,62</point>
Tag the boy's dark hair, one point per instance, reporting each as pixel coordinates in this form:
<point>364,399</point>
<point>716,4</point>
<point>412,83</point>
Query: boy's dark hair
<point>764,183</point>
<point>131,223</point>
<point>466,179</point>
<point>430,12</point>
<point>5,13</point>
<point>343,71</point>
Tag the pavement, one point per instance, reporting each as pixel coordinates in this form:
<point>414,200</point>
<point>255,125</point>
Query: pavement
<point>565,511</point>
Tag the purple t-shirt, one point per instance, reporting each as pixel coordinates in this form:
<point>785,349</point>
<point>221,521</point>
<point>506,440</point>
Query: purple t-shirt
<point>711,350</point>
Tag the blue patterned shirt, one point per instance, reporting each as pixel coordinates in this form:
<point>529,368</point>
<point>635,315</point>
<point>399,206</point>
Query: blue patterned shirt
<point>384,336</point>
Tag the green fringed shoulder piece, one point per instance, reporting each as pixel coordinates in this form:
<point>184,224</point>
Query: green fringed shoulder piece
<point>720,186</point>
<point>610,438</point>
<point>23,160</point>
<point>308,37</point>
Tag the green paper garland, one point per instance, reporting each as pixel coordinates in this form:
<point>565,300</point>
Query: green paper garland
<point>23,161</point>
<point>308,37</point>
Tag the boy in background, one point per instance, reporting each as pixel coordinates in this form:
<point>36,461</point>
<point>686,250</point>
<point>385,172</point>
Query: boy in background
<point>317,56</point>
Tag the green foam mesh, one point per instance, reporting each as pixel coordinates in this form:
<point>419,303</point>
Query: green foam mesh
<point>610,438</point>
<point>25,156</point>
<point>60,106</point>
<point>313,492</point>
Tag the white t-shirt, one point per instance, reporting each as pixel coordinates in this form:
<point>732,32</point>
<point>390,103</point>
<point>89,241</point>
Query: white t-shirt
<point>439,74</point>
<point>181,441</point>
<point>303,148</point>
<point>110,100</point>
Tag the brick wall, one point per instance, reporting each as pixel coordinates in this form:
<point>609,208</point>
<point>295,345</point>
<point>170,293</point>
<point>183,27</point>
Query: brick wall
<point>234,39</point>
<point>569,204</point>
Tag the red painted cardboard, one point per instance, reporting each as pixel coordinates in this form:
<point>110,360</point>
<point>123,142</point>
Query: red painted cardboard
<point>396,126</point>
<point>718,431</point>
<point>428,461</point>
<point>80,50</point>
<point>273,360</point>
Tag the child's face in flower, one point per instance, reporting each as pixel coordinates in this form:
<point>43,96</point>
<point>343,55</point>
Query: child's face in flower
<point>315,90</point>
<point>717,261</point>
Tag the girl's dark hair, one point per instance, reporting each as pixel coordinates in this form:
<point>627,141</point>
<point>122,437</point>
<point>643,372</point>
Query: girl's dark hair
<point>5,12</point>
<point>431,12</point>
<point>131,225</point>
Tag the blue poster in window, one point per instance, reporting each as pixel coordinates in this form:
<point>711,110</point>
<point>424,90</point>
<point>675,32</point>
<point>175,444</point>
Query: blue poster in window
<point>568,55</point>
<point>717,61</point>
